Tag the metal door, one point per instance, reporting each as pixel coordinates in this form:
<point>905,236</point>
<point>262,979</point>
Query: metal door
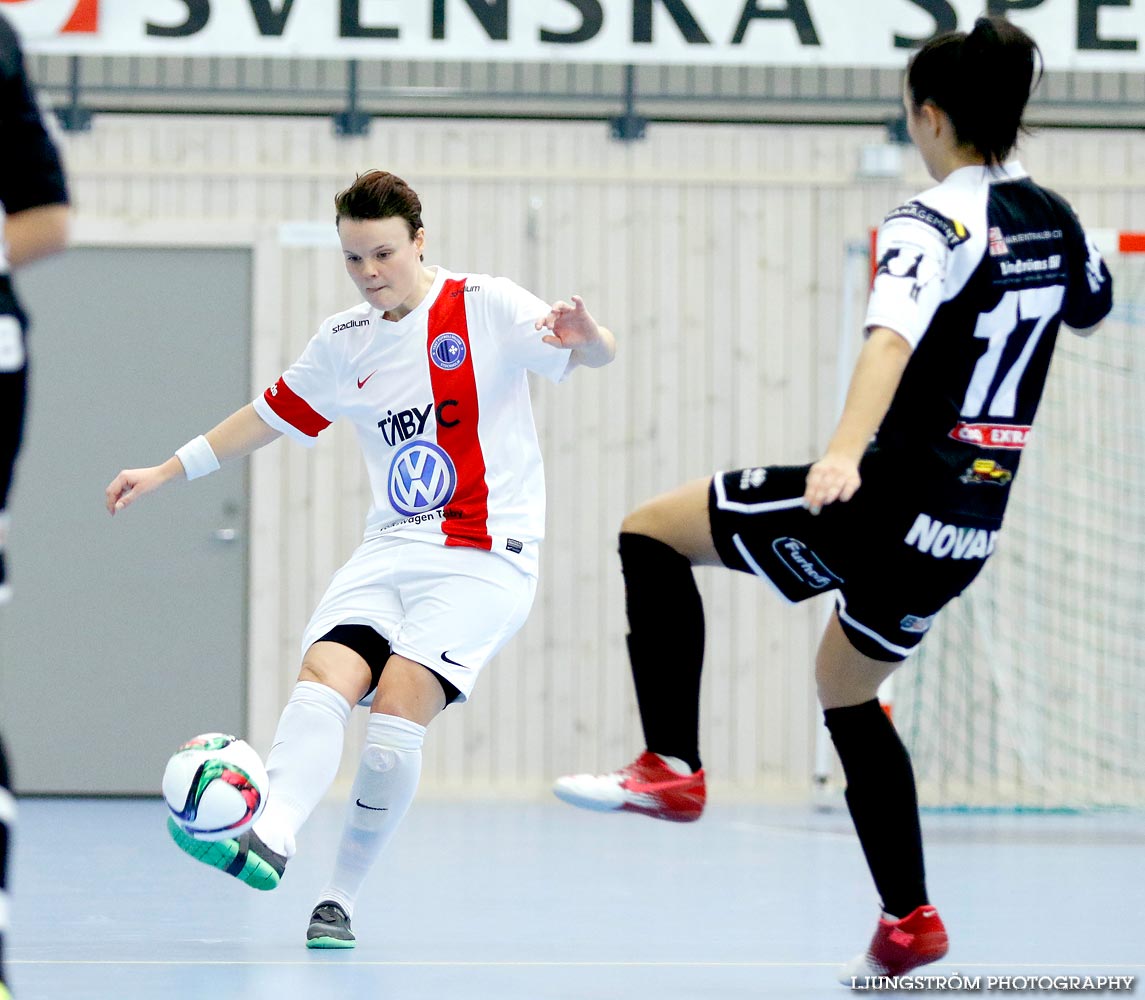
<point>125,636</point>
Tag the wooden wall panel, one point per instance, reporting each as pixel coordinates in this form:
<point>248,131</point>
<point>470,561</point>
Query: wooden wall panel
<point>716,253</point>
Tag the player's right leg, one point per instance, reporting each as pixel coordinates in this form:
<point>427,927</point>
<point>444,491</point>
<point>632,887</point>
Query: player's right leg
<point>302,763</point>
<point>660,542</point>
<point>882,801</point>
<point>247,858</point>
<point>750,520</point>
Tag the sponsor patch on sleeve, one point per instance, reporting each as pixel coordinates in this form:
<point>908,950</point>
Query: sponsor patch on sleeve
<point>951,230</point>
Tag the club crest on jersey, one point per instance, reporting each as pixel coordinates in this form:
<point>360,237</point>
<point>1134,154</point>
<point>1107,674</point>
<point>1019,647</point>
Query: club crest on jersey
<point>447,351</point>
<point>422,478</point>
<point>951,230</point>
<point>804,563</point>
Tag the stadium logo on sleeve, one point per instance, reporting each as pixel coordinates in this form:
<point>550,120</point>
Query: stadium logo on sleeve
<point>951,230</point>
<point>422,478</point>
<point>900,262</point>
<point>804,563</point>
<point>1093,267</point>
<point>447,351</point>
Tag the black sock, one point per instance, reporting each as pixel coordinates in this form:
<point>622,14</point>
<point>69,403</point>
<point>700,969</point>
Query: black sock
<point>665,644</point>
<point>883,802</point>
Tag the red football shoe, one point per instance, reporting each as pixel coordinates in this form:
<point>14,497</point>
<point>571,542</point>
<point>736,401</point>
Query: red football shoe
<point>647,786</point>
<point>898,946</point>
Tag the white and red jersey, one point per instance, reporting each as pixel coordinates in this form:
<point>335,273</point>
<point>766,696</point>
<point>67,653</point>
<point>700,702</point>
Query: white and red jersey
<point>440,402</point>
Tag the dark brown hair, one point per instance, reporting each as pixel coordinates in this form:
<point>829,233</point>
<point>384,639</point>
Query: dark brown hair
<point>377,194</point>
<point>982,80</point>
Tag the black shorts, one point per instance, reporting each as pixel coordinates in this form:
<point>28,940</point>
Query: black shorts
<point>893,562</point>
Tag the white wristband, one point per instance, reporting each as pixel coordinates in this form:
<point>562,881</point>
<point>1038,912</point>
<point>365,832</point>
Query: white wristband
<point>198,457</point>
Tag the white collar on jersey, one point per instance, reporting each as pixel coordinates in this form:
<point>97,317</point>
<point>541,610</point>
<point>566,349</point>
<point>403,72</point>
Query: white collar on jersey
<point>974,174</point>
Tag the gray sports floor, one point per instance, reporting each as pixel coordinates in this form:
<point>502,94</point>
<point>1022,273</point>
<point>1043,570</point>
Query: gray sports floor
<point>493,901</point>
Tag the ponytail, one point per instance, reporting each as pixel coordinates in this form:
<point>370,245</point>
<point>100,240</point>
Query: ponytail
<point>982,80</point>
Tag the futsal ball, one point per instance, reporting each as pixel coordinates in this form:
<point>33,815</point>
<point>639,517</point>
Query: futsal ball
<point>215,786</point>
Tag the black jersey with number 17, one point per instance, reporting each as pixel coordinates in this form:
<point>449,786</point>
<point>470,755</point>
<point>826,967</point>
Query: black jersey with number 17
<point>977,274</point>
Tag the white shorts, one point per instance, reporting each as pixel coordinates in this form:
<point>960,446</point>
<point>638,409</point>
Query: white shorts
<point>449,608</point>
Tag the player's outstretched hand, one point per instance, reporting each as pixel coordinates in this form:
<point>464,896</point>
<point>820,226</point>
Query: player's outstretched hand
<point>833,477</point>
<point>571,326</point>
<point>131,484</point>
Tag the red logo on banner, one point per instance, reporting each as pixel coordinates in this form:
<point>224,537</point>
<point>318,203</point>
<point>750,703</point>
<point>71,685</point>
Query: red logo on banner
<point>83,19</point>
<point>1011,436</point>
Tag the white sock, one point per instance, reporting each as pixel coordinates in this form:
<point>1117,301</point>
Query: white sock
<point>383,790</point>
<point>675,764</point>
<point>302,762</point>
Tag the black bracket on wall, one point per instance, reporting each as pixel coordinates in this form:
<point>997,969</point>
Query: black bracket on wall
<point>630,125</point>
<point>352,121</point>
<point>73,116</point>
<point>897,132</point>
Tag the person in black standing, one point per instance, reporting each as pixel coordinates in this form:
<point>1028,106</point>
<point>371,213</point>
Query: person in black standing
<point>975,276</point>
<point>34,213</point>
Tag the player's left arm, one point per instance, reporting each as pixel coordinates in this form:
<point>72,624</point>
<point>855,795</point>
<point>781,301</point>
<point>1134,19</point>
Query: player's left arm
<point>906,292</point>
<point>32,186</point>
<point>876,378</point>
<point>572,327</point>
<point>36,232</point>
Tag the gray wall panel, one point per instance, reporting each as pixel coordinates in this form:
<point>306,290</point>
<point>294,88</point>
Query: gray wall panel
<point>717,253</point>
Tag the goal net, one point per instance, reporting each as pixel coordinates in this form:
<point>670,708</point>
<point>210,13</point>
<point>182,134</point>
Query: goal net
<point>1029,693</point>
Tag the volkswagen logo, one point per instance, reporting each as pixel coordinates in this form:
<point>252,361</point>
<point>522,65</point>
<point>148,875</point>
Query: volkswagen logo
<point>422,478</point>
<point>447,351</point>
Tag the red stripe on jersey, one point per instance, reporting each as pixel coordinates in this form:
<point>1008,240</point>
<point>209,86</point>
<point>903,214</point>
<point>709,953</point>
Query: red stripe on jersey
<point>292,408</point>
<point>455,393</point>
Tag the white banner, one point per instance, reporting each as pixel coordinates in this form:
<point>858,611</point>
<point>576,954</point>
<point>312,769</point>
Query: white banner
<point>1073,34</point>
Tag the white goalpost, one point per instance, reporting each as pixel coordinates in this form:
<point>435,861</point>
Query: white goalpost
<point>1029,692</point>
